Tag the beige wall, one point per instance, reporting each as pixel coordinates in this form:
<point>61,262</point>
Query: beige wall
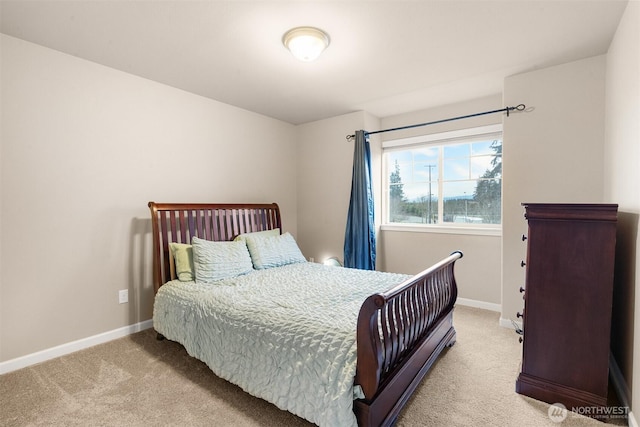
<point>324,167</point>
<point>622,186</point>
<point>478,273</point>
<point>84,148</point>
<point>551,153</point>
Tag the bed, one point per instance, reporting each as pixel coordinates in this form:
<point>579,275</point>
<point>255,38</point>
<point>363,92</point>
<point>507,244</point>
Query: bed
<point>336,346</point>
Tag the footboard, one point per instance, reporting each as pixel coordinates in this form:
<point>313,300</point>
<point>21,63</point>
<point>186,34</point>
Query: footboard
<point>400,334</point>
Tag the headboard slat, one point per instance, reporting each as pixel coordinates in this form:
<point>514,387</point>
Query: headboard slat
<point>164,255</point>
<point>180,222</point>
<point>217,224</point>
<point>232,216</point>
<point>191,223</point>
<point>198,220</point>
<point>183,227</point>
<point>246,225</point>
<point>233,220</point>
<point>208,220</point>
<point>254,220</point>
<point>172,223</point>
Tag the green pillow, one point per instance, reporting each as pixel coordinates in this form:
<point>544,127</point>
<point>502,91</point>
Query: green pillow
<point>183,257</point>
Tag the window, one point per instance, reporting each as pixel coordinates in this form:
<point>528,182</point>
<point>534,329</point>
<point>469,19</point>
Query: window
<point>449,179</point>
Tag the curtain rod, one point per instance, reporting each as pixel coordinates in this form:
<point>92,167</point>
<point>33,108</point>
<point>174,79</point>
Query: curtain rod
<point>519,107</point>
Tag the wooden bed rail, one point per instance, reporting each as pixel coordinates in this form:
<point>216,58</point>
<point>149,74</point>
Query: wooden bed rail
<point>391,325</point>
<point>179,223</point>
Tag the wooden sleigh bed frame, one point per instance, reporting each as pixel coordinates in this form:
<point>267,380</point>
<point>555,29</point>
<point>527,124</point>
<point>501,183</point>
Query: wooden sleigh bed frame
<point>400,333</point>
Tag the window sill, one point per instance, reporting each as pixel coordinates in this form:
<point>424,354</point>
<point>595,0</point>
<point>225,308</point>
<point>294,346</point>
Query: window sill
<point>440,229</point>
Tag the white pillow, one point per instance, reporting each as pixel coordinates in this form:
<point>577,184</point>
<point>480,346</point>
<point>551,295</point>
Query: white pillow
<point>215,261</point>
<point>273,251</point>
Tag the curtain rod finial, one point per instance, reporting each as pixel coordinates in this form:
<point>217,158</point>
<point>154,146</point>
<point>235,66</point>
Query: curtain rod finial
<point>519,107</point>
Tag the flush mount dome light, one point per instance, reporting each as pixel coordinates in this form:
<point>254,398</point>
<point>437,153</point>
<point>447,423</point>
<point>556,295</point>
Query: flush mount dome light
<point>306,43</point>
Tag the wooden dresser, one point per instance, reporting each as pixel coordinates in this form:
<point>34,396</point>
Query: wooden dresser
<point>567,303</point>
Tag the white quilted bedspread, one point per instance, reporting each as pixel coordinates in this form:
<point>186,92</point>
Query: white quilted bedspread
<point>285,334</point>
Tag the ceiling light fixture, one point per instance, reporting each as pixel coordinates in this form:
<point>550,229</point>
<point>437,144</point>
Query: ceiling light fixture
<point>306,43</point>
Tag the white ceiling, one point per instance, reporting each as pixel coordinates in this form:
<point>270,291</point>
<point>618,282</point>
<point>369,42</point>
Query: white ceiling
<point>386,57</point>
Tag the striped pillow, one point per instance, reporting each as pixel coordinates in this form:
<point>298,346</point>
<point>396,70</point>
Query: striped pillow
<point>273,251</point>
<point>215,261</point>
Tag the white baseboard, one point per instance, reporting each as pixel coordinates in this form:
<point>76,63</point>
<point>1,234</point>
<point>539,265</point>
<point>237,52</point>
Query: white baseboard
<point>61,350</point>
<point>479,304</point>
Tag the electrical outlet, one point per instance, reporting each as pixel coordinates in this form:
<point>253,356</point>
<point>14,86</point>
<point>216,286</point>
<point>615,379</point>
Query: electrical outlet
<point>123,296</point>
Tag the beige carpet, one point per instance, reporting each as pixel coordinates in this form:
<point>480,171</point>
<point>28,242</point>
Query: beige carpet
<point>139,381</point>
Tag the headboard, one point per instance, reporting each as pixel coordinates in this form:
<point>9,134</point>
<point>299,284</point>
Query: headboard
<point>179,222</point>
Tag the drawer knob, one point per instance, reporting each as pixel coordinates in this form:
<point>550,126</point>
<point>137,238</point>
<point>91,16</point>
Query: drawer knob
<point>522,263</point>
<point>521,289</point>
<point>524,237</point>
<point>518,315</point>
<point>520,340</point>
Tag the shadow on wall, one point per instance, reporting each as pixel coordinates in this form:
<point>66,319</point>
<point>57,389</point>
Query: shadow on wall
<point>140,271</point>
<point>622,318</point>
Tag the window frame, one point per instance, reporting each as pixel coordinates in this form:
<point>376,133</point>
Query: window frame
<point>435,139</point>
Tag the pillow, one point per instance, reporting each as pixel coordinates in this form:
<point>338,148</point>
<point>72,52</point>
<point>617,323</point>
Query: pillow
<point>182,255</point>
<point>215,261</point>
<point>265,233</point>
<point>273,251</point>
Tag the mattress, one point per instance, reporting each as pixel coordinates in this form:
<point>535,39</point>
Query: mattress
<point>285,334</point>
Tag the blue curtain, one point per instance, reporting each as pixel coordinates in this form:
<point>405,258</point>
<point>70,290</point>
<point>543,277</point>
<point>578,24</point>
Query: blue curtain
<point>360,237</point>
